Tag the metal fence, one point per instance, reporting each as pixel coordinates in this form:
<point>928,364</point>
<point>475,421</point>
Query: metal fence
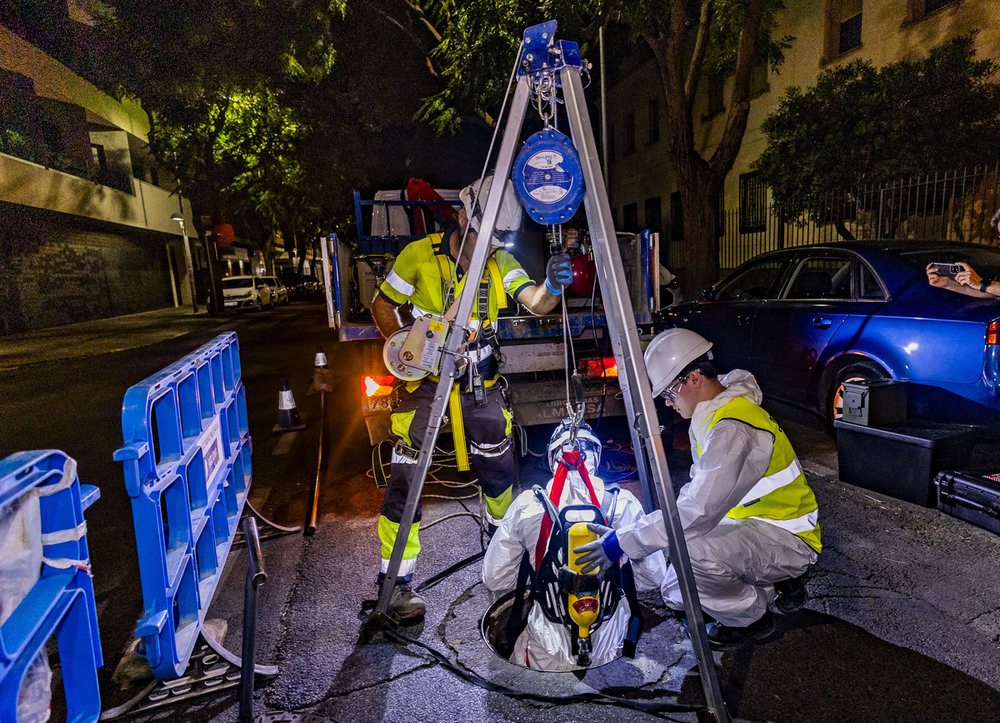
<point>953,205</point>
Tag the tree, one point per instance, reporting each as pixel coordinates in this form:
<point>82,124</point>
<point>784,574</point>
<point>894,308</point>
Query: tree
<point>865,125</point>
<point>219,80</point>
<point>689,41</point>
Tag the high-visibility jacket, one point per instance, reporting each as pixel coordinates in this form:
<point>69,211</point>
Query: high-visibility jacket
<point>421,272</point>
<point>782,497</point>
<point>421,275</point>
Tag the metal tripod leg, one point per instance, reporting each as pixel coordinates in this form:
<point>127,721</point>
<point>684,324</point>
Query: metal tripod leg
<point>456,336</point>
<point>635,387</point>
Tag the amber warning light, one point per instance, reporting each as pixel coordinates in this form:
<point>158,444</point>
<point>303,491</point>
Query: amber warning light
<point>377,386</point>
<point>598,368</point>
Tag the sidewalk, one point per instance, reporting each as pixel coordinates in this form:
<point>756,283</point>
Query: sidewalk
<point>101,336</point>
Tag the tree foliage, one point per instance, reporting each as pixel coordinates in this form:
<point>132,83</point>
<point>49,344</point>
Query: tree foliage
<point>222,81</point>
<point>862,125</point>
<point>689,41</point>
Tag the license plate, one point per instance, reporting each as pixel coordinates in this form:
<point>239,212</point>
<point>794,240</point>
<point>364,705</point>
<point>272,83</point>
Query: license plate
<point>230,303</point>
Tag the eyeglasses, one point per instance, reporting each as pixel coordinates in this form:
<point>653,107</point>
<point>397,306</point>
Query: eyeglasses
<point>674,388</point>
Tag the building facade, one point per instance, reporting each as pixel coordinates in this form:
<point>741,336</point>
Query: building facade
<point>642,185</point>
<point>88,227</point>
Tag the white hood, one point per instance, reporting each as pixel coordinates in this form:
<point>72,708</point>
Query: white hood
<point>737,383</point>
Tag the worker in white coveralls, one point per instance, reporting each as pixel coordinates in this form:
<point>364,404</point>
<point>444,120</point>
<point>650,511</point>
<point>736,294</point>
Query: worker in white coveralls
<point>750,519</point>
<point>521,543</point>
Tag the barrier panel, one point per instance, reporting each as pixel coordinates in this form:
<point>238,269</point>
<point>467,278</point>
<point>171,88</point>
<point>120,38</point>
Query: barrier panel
<point>187,468</point>
<point>42,504</point>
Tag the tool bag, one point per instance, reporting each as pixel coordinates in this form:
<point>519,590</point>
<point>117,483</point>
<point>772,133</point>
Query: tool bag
<point>970,496</point>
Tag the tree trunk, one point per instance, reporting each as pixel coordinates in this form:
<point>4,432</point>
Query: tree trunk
<point>699,201</point>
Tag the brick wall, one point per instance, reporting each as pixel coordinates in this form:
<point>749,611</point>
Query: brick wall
<point>57,269</point>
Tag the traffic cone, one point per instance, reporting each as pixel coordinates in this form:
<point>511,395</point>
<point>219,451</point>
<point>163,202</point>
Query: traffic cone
<point>288,416</point>
<point>322,380</point>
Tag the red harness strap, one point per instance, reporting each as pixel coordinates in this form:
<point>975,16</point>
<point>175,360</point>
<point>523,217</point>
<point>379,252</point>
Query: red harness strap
<point>574,460</point>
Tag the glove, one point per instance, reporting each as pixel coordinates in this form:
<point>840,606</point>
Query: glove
<point>598,556</point>
<point>558,274</point>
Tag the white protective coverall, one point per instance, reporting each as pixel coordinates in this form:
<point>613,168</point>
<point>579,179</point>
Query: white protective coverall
<point>735,562</point>
<point>545,645</point>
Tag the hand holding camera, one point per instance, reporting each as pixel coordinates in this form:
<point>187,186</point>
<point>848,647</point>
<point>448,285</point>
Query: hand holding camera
<point>949,270</point>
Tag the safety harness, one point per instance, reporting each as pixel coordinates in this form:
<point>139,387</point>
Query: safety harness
<point>551,584</point>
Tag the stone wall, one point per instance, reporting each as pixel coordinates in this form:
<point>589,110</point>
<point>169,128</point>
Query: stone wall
<point>55,270</point>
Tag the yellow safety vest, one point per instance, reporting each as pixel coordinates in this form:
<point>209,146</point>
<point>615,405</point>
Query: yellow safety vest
<point>782,497</point>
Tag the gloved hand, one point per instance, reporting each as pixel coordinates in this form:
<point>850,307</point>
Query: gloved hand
<point>558,274</point>
<point>598,556</point>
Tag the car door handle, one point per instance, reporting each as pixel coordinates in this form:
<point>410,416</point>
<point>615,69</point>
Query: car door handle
<point>821,322</point>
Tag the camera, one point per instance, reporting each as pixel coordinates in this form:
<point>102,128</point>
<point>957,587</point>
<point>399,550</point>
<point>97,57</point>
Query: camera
<point>949,270</point>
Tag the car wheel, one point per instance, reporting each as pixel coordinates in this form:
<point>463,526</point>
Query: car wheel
<point>857,371</point>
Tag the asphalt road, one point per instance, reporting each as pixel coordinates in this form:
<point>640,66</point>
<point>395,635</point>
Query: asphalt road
<point>902,624</point>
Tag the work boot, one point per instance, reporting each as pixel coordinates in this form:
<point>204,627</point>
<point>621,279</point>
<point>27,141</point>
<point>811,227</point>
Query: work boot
<point>406,604</point>
<point>790,595</point>
<point>724,637</point>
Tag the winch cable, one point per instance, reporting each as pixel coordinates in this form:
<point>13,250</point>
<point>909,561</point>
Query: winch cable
<point>644,706</point>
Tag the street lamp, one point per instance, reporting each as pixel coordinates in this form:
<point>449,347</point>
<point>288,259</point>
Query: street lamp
<point>187,259</point>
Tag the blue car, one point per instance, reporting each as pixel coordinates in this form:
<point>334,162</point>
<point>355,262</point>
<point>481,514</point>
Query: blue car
<point>805,320</point>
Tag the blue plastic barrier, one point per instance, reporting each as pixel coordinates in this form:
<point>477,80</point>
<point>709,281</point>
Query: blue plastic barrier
<point>61,602</point>
<point>187,469</point>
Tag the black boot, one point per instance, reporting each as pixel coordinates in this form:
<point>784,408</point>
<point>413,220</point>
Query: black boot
<point>724,637</point>
<point>790,595</point>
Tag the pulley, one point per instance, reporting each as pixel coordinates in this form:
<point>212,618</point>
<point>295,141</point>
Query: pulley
<point>548,177</point>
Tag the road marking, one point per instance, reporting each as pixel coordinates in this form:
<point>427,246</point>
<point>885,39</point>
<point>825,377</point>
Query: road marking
<point>284,444</point>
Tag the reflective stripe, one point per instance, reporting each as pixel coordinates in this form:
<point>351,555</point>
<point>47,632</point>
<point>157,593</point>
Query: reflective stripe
<point>406,567</point>
<point>512,276</point>
<point>769,484</point>
<point>798,525</point>
<point>399,284</point>
<point>491,450</point>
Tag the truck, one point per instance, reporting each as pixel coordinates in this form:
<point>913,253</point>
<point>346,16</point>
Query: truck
<point>534,353</point>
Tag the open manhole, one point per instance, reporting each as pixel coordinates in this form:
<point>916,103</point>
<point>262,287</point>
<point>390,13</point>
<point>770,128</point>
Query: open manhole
<point>497,637</point>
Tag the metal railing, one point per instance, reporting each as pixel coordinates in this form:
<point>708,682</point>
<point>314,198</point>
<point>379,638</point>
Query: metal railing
<point>949,205</point>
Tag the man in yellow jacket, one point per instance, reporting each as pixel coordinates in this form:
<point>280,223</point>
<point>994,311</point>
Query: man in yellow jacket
<point>421,283</point>
<point>750,519</point>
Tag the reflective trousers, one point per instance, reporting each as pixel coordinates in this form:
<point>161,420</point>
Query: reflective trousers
<point>491,455</point>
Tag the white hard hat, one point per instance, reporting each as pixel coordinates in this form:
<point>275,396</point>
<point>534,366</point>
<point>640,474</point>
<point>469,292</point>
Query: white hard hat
<point>474,198</point>
<point>668,354</point>
<point>585,442</point>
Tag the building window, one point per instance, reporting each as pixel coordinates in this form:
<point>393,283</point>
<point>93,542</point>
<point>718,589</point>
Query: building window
<point>753,203</point>
<point>629,134</point>
<point>631,220</point>
<point>843,26</point>
<point>716,89</point>
<point>97,153</point>
<point>676,217</point>
<point>654,120</point>
<point>932,5</point>
<point>653,218</point>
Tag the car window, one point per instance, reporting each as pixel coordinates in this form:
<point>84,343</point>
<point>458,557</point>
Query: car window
<point>820,277</point>
<point>235,283</point>
<point>269,281</point>
<point>869,285</point>
<point>755,281</point>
